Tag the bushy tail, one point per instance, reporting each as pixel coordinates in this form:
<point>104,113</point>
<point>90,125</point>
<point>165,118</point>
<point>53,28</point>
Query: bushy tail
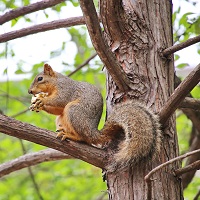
<point>142,135</point>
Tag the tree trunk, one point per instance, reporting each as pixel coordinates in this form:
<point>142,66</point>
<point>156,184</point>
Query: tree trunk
<point>137,32</point>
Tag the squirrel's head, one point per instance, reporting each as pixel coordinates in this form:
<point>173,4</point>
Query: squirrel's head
<point>44,81</point>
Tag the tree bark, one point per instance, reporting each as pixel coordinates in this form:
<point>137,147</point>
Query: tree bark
<point>137,32</point>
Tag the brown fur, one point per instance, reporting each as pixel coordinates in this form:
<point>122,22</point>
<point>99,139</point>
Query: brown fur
<point>78,106</point>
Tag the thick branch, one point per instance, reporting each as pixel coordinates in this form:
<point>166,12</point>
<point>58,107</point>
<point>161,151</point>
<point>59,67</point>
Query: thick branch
<point>180,46</point>
<point>28,9</point>
<point>12,127</point>
<point>179,94</point>
<point>192,167</point>
<point>190,103</point>
<point>62,23</point>
<point>101,47</point>
<point>31,159</point>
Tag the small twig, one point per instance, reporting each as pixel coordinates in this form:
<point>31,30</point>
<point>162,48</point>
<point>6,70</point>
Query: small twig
<point>20,99</point>
<point>62,23</point>
<point>101,47</point>
<point>12,14</point>
<point>190,103</point>
<point>188,168</point>
<point>101,197</point>
<point>31,173</point>
<point>149,175</point>
<point>31,159</point>
<point>82,65</point>
<point>179,94</point>
<point>180,46</point>
<point>20,113</point>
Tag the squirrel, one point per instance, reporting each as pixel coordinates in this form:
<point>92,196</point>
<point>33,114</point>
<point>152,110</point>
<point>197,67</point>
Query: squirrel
<point>79,105</point>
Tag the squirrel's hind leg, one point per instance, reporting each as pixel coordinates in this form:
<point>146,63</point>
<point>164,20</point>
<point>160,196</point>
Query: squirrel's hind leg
<point>64,126</point>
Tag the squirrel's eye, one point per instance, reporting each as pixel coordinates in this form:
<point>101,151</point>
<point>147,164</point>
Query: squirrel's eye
<point>40,78</point>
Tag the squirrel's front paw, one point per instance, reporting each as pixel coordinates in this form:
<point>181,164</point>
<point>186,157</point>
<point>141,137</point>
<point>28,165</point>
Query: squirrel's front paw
<point>37,102</point>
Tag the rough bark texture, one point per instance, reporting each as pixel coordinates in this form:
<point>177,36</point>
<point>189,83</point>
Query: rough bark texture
<point>137,31</point>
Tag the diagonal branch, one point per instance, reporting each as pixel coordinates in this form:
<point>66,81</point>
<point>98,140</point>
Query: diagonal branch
<point>25,131</point>
<point>190,103</point>
<point>149,175</point>
<point>180,46</point>
<point>82,65</point>
<point>179,94</point>
<point>28,9</point>
<point>62,23</point>
<point>31,159</point>
<point>192,167</point>
<point>101,46</point>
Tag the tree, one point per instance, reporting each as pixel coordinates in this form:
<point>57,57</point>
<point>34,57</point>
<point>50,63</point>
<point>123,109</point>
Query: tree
<point>136,48</point>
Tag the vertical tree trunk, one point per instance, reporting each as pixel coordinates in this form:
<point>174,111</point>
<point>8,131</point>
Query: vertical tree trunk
<point>137,32</point>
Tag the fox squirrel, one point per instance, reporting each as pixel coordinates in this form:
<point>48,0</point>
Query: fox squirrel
<point>78,106</point>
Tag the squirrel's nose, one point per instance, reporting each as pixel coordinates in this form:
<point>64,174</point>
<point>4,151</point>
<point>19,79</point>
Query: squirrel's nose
<point>30,91</point>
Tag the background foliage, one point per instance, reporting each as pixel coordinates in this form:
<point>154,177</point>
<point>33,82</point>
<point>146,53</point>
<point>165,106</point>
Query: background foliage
<point>66,179</point>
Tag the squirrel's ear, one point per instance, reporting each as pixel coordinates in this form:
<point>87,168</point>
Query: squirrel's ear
<point>48,70</point>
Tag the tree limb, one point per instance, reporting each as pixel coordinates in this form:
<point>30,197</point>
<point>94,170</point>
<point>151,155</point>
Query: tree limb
<point>149,175</point>
<point>192,112</point>
<point>12,14</point>
<point>194,144</point>
<point>180,46</point>
<point>82,65</point>
<point>31,159</point>
<point>190,103</point>
<point>25,131</point>
<point>101,46</point>
<point>192,167</point>
<point>179,94</point>
<point>31,174</point>
<point>61,23</point>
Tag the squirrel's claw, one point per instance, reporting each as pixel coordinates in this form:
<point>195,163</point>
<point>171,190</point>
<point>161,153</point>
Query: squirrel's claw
<point>64,137</point>
<point>61,133</point>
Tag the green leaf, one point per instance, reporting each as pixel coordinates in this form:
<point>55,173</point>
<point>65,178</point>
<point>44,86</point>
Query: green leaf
<point>182,65</point>
<point>184,18</point>
<point>176,57</point>
<point>13,22</point>
<point>19,71</point>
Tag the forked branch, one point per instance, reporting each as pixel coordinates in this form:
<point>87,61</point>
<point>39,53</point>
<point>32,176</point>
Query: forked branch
<point>149,175</point>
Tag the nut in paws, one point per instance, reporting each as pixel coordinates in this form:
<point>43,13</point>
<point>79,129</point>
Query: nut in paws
<point>37,102</point>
